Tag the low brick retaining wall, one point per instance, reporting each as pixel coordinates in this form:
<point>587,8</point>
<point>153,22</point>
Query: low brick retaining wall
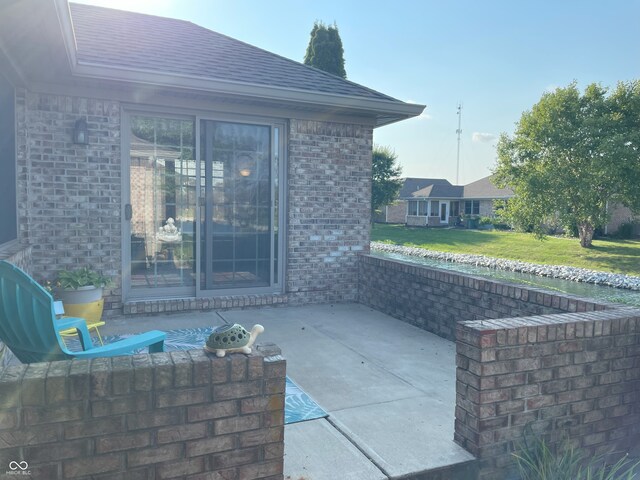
<point>436,300</point>
<point>571,376</point>
<point>185,415</point>
<point>567,366</point>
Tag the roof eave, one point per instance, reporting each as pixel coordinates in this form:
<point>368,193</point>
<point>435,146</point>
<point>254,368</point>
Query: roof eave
<point>385,111</point>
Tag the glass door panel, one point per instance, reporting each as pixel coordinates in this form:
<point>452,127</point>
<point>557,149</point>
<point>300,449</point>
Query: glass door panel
<point>238,219</point>
<point>162,206</point>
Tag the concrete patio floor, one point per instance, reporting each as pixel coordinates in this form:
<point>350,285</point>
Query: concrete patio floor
<point>389,389</point>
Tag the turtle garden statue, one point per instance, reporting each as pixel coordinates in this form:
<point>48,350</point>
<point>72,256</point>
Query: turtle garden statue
<point>232,338</point>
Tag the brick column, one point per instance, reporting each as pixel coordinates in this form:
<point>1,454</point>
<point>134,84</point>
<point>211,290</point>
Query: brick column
<point>573,376</point>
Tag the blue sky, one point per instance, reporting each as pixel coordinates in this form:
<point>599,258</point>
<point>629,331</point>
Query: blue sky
<point>496,57</point>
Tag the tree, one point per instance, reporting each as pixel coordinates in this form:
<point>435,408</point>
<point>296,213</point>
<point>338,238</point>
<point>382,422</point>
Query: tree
<point>570,156</point>
<point>325,50</point>
<point>386,182</point>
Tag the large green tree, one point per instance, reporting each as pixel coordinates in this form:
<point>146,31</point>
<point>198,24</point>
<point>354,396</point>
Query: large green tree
<point>325,49</point>
<point>386,177</point>
<point>571,155</point>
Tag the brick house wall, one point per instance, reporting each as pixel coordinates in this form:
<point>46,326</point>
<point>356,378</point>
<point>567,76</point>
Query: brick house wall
<point>70,200</point>
<point>69,195</point>
<point>187,415</point>
<point>486,208</point>
<point>619,215</point>
<point>329,216</point>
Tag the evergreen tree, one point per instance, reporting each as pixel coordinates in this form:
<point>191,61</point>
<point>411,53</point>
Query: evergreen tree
<point>325,50</point>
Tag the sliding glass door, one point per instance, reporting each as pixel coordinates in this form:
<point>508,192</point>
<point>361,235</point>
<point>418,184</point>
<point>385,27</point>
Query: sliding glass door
<point>160,211</point>
<point>240,215</point>
<point>202,212</point>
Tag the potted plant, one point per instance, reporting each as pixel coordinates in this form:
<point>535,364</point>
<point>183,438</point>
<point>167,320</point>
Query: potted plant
<point>81,292</point>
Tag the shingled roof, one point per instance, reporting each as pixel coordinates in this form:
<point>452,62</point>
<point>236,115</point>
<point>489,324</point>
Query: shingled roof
<point>123,39</point>
<point>484,188</point>
<point>428,188</point>
<point>52,40</point>
<point>439,188</point>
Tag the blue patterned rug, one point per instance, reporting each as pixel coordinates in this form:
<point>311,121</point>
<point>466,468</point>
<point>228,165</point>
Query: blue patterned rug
<point>298,404</point>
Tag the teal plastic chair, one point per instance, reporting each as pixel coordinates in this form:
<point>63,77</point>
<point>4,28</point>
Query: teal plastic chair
<point>29,328</point>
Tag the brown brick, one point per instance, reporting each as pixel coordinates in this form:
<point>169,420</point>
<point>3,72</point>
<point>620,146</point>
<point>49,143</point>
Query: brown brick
<point>154,454</point>
<point>180,433</point>
<point>94,464</point>
<point>180,397</point>
<point>124,441</point>
<point>260,470</point>
<point>120,405</point>
<point>212,410</point>
<point>94,428</point>
<point>155,418</point>
<point>143,373</point>
<point>162,371</point>
<point>100,377</point>
<point>236,424</point>
<point>262,436</point>
<point>220,370</point>
<point>238,368</point>
<point>255,367</point>
<point>183,369</point>
<point>122,375</point>
<point>215,444</point>
<point>180,468</point>
<point>56,382</point>
<point>236,457</point>
<point>58,413</point>
<point>236,390</point>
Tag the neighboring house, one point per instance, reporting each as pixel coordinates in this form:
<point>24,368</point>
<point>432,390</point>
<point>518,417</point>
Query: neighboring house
<point>263,163</point>
<point>436,202</point>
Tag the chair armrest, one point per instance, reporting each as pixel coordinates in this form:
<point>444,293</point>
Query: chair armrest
<point>153,339</point>
<point>81,327</point>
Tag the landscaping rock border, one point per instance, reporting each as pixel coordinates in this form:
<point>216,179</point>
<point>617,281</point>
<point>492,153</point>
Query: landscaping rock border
<point>575,274</point>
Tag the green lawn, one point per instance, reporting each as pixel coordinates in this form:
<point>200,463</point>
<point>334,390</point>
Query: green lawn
<point>610,255</point>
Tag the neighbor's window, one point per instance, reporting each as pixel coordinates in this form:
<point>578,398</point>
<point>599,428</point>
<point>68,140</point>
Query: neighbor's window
<point>434,208</point>
<point>455,209</point>
<point>8,212</point>
<point>412,207</point>
<point>422,208</point>
<point>472,207</point>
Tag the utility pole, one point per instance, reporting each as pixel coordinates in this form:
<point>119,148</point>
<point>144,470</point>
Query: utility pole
<point>459,132</point>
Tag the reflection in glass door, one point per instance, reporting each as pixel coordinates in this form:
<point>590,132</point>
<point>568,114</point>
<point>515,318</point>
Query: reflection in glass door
<point>240,217</point>
<point>161,207</point>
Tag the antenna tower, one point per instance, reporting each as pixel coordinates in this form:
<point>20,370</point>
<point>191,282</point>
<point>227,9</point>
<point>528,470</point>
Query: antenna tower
<point>459,132</point>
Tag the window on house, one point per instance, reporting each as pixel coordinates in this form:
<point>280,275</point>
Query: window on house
<point>455,209</point>
<point>412,207</point>
<point>472,207</point>
<point>434,208</point>
<point>422,208</point>
<point>8,212</point>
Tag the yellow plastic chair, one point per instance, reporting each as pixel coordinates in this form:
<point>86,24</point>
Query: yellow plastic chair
<point>89,318</point>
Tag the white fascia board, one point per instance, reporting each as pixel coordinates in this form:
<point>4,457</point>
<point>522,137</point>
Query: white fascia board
<point>66,27</point>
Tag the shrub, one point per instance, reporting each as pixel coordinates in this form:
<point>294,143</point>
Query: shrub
<point>625,231</point>
<point>537,461</point>
<point>82,277</point>
<point>486,221</point>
